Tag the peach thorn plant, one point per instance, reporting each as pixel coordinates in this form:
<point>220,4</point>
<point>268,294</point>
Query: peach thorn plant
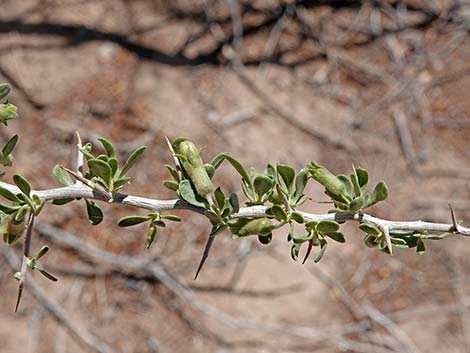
<point>272,200</point>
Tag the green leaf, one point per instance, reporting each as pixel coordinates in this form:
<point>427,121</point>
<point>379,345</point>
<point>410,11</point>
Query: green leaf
<point>300,182</point>
<point>323,245</point>
<point>233,199</point>
<point>22,184</point>
<point>296,216</point>
<point>132,220</point>
<point>294,251</point>
<point>362,177</point>
<point>62,176</point>
<point>210,170</point>
<point>187,193</point>
<point>355,182</point>
<point>108,146</point>
<point>370,229</point>
<point>8,194</point>
<point>338,236</point>
<point>44,249</point>
<point>101,169</point>
<point>7,112</point>
<point>380,193</point>
<point>265,239</point>
<point>287,174</point>
<point>151,235</point>
<point>10,145</point>
<point>171,184</point>
<point>217,160</point>
<point>420,248</point>
<point>60,202</point>
<point>348,186</point>
<point>356,204</point>
<point>239,168</point>
<point>119,183</point>
<point>371,241</point>
<point>95,214</point>
<point>171,217</point>
<point>133,158</point>
<point>113,163</point>
<point>219,198</point>
<point>327,227</point>
<point>46,274</point>
<point>278,212</point>
<point>262,184</point>
<point>8,209</point>
<point>173,172</point>
<point>5,90</point>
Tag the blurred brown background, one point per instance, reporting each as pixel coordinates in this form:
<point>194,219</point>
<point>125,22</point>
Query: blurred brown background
<point>381,84</point>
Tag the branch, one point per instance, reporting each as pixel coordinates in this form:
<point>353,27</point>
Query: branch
<point>77,191</point>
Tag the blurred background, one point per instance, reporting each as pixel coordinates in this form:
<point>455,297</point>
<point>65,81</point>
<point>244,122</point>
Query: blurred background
<point>379,84</point>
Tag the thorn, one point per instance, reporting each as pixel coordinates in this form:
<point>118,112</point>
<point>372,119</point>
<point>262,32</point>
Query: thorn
<point>175,159</point>
<point>455,225</point>
<point>309,250</point>
<point>107,196</point>
<point>205,255</point>
<point>215,229</point>
<point>20,291</point>
<point>24,270</point>
<point>388,241</point>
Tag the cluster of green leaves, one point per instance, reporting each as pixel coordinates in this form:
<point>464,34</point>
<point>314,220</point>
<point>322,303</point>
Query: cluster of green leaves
<point>104,171</point>
<point>7,110</point>
<point>155,220</point>
<point>375,237</point>
<point>349,194</point>
<point>94,211</point>
<point>13,214</point>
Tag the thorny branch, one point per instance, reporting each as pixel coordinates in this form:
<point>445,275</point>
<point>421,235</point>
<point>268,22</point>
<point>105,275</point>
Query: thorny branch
<point>77,191</point>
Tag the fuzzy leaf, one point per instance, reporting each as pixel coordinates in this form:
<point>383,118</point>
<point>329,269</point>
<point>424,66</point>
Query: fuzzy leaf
<point>108,146</point>
<point>265,239</point>
<point>44,249</point>
<point>380,193</point>
<point>219,198</point>
<point>10,145</point>
<point>22,184</point>
<point>296,216</point>
<point>287,174</point>
<point>101,169</point>
<point>151,235</point>
<point>338,236</point>
<point>129,221</point>
<point>95,214</point>
<point>370,229</point>
<point>323,245</point>
<point>171,184</point>
<point>8,194</point>
<point>362,177</point>
<point>62,176</point>
<point>262,184</point>
<point>187,193</point>
<point>233,199</point>
<point>171,217</point>
<point>133,158</point>
<point>278,212</point>
<point>5,90</point>
<point>327,227</point>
